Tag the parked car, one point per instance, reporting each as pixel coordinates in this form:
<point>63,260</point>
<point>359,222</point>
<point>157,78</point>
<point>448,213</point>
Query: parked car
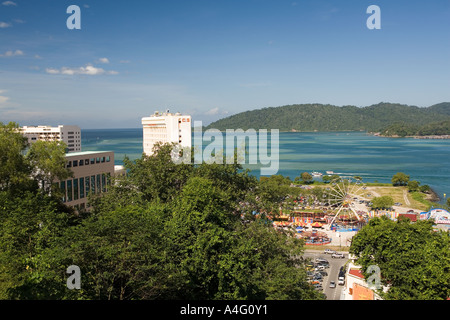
<point>337,255</point>
<point>319,260</point>
<point>317,286</point>
<point>317,275</point>
<point>341,281</point>
<point>329,251</point>
<point>323,273</point>
<point>332,284</point>
<point>320,267</point>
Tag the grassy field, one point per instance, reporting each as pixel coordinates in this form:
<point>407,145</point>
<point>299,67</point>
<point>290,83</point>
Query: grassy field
<point>397,193</point>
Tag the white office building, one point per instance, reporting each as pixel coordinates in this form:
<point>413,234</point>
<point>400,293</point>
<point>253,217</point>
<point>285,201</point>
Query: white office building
<point>166,127</point>
<point>71,135</point>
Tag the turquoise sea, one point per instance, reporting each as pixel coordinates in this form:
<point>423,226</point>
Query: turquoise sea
<point>346,153</point>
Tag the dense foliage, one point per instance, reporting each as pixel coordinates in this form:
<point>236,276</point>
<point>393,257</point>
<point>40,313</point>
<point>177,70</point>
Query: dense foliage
<point>408,129</point>
<point>383,202</point>
<point>164,231</point>
<point>319,117</point>
<point>413,259</point>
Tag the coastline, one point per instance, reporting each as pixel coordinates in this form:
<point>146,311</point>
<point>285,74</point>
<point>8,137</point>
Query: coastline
<point>433,196</point>
<point>442,137</point>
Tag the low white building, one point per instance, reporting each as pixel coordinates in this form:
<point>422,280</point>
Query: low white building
<point>166,128</point>
<point>356,286</point>
<point>69,134</point>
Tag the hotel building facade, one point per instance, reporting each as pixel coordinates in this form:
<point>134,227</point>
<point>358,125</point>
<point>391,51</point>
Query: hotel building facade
<point>92,172</point>
<point>69,134</point>
<point>166,128</point>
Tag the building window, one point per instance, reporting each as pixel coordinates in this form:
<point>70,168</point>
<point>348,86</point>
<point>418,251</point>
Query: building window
<point>75,189</point>
<point>98,160</point>
<point>87,186</point>
<point>99,186</point>
<point>104,182</point>
<point>81,163</point>
<point>69,191</point>
<point>92,184</point>
<point>69,164</point>
<point>86,162</point>
<point>81,188</point>
<point>108,159</point>
<point>92,160</point>
<point>103,159</point>
<point>63,190</point>
<point>75,163</point>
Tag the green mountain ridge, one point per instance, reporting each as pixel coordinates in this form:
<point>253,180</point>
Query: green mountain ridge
<point>326,117</point>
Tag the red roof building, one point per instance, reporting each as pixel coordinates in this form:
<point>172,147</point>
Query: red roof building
<point>410,216</point>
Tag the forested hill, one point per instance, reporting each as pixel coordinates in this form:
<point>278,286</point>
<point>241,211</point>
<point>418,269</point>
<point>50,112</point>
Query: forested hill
<point>320,117</point>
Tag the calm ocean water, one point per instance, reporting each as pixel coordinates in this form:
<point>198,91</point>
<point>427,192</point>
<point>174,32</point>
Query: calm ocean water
<point>345,153</point>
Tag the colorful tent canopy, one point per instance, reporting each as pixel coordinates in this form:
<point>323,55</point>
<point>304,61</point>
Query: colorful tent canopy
<point>316,225</point>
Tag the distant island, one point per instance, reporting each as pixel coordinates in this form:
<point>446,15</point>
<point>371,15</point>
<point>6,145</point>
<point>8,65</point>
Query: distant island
<point>387,119</point>
<point>434,130</point>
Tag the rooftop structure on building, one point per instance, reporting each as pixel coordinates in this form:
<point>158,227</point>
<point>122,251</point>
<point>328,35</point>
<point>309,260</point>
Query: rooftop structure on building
<point>69,134</point>
<point>166,127</point>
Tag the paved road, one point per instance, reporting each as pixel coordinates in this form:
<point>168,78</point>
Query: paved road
<point>333,270</point>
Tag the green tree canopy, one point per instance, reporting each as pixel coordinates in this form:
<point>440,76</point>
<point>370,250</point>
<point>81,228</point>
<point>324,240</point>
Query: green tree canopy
<point>413,186</point>
<point>306,177</point>
<point>414,260</point>
<point>400,179</point>
<point>48,160</point>
<point>164,231</point>
<point>14,168</point>
<point>383,202</point>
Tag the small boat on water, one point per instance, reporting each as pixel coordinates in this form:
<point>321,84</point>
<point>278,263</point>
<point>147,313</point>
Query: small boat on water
<point>316,174</point>
<point>330,172</point>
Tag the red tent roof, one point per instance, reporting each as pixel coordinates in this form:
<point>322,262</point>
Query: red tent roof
<point>411,216</point>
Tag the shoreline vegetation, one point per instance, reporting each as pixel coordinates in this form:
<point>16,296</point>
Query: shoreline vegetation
<point>378,134</point>
<point>433,120</point>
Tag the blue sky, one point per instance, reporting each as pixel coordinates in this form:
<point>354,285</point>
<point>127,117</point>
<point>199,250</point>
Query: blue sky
<point>215,58</point>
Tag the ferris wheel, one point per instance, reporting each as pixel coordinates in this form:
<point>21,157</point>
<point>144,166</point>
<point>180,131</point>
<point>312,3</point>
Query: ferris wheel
<point>341,193</point>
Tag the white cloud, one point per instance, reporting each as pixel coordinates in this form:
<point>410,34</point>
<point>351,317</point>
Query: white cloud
<point>12,53</point>
<point>87,70</point>
<point>52,71</point>
<point>215,111</point>
<point>212,112</point>
<point>103,60</point>
<point>3,99</point>
<point>18,21</point>
<point>9,3</point>
<point>86,6</point>
<point>4,25</point>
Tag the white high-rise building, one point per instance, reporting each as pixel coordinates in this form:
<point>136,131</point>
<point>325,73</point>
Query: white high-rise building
<point>166,127</point>
<point>71,135</point>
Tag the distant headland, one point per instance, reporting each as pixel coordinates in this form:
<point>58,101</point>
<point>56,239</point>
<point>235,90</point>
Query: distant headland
<point>386,119</point>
